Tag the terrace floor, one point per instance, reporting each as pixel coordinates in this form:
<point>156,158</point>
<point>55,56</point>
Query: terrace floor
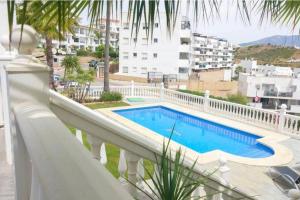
<point>6,173</point>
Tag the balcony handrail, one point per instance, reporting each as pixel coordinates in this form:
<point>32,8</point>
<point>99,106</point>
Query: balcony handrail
<point>51,164</point>
<point>108,130</point>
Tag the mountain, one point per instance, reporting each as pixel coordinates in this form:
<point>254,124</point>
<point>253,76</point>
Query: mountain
<point>278,40</point>
<point>269,54</point>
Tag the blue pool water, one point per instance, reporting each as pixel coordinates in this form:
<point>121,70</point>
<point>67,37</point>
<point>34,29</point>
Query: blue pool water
<point>196,133</point>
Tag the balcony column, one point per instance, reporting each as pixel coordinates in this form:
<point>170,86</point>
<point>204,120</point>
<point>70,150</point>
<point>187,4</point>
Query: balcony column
<point>281,119</point>
<point>132,162</point>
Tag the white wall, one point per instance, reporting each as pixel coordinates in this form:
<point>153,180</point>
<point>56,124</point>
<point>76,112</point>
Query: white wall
<point>167,50</point>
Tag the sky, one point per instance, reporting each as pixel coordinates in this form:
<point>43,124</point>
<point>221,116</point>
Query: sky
<point>230,26</point>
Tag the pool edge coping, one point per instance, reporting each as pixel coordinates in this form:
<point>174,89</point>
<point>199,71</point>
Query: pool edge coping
<point>282,155</point>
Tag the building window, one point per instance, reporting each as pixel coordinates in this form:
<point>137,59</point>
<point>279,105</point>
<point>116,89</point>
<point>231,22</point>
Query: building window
<point>154,69</point>
<point>155,40</point>
<point>156,25</point>
<point>144,56</point>
<point>184,56</point>
<point>126,41</point>
<point>144,70</point>
<point>144,41</point>
<point>134,69</point>
<point>125,69</point>
<point>155,55</point>
<point>183,70</point>
<point>135,55</point>
<point>125,55</point>
<point>82,31</point>
<point>126,26</point>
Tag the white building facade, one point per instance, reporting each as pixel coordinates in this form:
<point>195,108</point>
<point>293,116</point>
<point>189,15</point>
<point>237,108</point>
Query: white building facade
<point>180,54</point>
<point>85,37</point>
<point>271,86</point>
<point>211,52</point>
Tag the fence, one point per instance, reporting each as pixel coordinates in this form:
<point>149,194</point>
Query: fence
<point>279,121</point>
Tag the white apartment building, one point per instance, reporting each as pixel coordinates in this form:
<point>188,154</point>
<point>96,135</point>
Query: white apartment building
<point>270,86</point>
<point>85,37</point>
<point>179,55</point>
<point>210,52</point>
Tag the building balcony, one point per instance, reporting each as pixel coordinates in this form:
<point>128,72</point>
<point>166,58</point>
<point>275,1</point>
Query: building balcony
<point>183,62</point>
<point>186,33</point>
<point>210,53</point>
<point>184,48</point>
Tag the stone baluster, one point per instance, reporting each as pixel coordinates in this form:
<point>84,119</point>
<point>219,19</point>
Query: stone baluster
<point>140,174</point>
<point>95,146</point>
<point>132,88</point>
<point>122,166</point>
<point>79,136</point>
<point>103,156</point>
<point>161,91</point>
<point>281,119</point>
<point>132,163</point>
<point>294,194</point>
<point>206,101</point>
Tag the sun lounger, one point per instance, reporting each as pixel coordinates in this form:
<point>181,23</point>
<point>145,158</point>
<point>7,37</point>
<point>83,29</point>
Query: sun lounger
<point>287,178</point>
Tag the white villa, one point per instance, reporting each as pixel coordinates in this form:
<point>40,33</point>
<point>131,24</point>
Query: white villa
<point>180,55</point>
<point>40,159</point>
<point>270,86</point>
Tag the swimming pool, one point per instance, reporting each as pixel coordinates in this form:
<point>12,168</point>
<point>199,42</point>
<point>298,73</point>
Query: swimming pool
<point>196,133</point>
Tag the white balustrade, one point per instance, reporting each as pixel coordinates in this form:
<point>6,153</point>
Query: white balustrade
<point>122,166</point>
<point>79,136</point>
<point>132,163</point>
<point>95,146</point>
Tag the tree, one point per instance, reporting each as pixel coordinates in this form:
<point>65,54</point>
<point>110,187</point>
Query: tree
<point>238,70</point>
<point>100,52</point>
<point>46,27</point>
<point>83,80</point>
<point>71,64</point>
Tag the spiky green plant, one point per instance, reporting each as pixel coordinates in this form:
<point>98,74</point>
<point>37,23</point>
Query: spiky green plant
<point>172,180</point>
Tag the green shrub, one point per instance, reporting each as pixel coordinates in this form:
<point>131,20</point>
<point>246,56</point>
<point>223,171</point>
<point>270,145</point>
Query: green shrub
<point>83,52</point>
<point>111,96</point>
<point>238,98</point>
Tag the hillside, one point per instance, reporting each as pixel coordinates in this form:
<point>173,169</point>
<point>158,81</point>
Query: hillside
<point>268,54</point>
<point>278,40</point>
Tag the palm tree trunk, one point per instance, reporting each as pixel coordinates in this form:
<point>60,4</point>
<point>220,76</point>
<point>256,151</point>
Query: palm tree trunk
<point>106,50</point>
<point>49,58</point>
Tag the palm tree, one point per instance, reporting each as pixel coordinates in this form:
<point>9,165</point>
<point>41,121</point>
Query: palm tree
<point>46,27</point>
<point>71,64</point>
<point>283,11</point>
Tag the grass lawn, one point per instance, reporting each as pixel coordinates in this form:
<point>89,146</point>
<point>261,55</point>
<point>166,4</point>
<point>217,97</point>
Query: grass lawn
<point>112,151</point>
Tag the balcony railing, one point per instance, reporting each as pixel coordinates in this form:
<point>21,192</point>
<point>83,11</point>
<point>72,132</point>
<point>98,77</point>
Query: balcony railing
<point>246,114</point>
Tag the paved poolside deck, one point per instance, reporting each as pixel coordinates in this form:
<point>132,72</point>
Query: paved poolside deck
<point>254,180</point>
<point>251,179</point>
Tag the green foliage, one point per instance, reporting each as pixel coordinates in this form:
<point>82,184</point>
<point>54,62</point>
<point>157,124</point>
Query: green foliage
<point>83,52</point>
<point>106,105</point>
<point>266,54</point>
<point>234,98</point>
<point>238,98</point>
<point>111,96</point>
<point>172,180</point>
<point>99,53</point>
<point>71,64</point>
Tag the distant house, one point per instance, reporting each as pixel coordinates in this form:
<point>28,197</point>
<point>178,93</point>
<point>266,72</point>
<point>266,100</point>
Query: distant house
<point>269,86</point>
